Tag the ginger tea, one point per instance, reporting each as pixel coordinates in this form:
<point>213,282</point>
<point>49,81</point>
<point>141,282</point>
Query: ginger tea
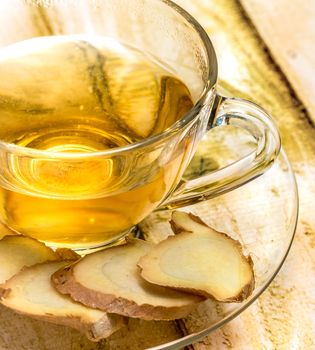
<point>72,98</point>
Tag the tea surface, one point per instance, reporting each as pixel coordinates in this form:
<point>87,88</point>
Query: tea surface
<point>84,94</point>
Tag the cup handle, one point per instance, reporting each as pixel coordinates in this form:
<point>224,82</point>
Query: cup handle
<point>246,115</point>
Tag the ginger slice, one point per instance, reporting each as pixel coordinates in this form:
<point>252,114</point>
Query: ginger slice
<point>19,251</point>
<point>110,280</point>
<point>67,254</point>
<point>30,292</point>
<point>199,260</point>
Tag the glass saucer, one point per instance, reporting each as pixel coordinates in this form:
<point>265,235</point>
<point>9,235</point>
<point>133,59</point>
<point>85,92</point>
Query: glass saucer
<point>262,215</point>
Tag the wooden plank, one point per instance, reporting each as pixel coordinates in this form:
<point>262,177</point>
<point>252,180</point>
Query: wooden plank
<point>288,28</point>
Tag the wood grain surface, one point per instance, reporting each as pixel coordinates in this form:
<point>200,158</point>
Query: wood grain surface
<point>253,65</point>
<point>284,316</point>
<point>288,27</point>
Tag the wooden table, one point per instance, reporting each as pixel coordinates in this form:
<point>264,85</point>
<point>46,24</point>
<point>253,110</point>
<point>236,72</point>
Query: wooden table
<point>271,44</point>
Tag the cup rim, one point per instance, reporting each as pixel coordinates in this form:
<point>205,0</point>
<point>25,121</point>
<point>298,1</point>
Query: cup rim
<point>173,129</point>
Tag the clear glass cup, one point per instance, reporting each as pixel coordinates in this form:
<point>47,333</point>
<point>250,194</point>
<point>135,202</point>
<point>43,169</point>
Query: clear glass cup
<point>98,208</point>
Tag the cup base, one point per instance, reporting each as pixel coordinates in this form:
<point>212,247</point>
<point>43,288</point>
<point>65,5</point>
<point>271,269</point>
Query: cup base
<point>121,239</point>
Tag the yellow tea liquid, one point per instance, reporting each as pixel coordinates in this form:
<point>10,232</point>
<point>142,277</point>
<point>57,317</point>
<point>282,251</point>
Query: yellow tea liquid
<point>81,95</point>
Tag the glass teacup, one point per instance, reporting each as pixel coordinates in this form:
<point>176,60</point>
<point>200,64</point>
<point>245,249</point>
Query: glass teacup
<point>85,200</point>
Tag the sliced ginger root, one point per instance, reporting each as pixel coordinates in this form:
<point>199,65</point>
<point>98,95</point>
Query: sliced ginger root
<point>110,280</point>
<point>199,260</point>
<point>19,251</point>
<point>30,292</point>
